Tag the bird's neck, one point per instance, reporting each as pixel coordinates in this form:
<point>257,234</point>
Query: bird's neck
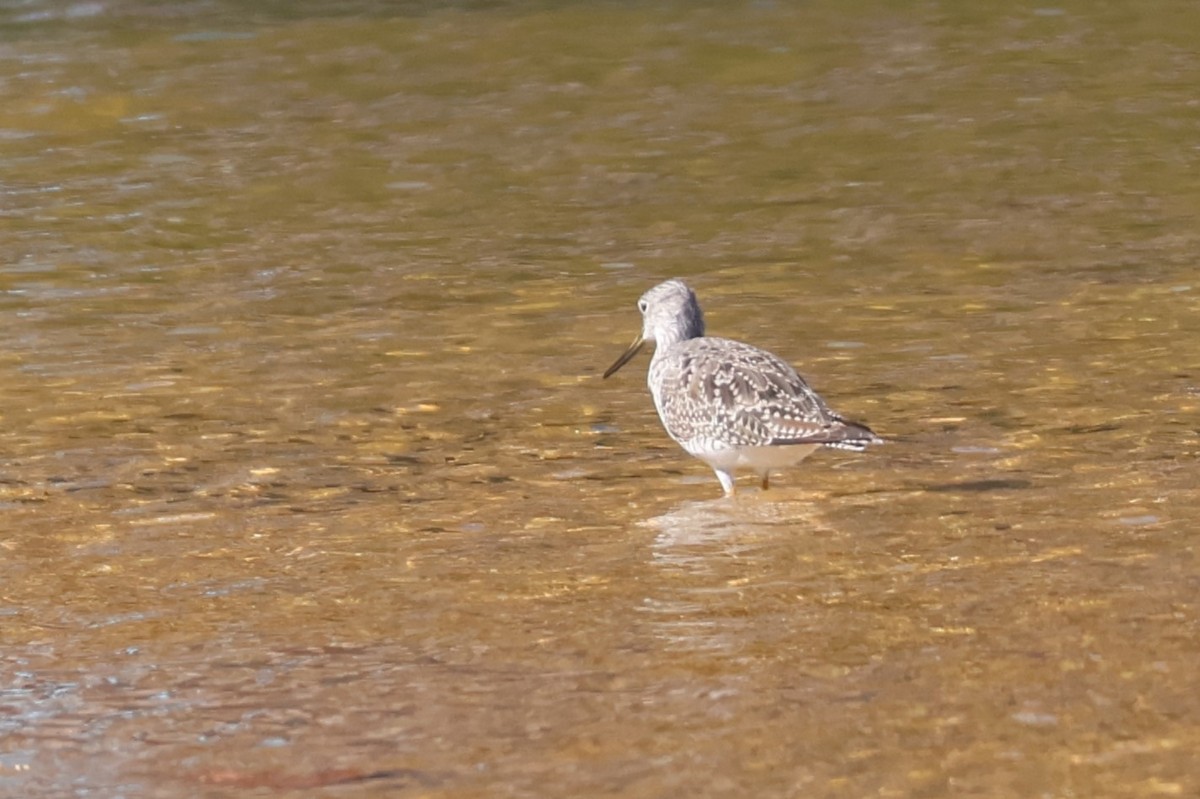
<point>682,330</point>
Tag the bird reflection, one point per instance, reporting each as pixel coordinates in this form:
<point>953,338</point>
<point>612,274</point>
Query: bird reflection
<point>711,555</point>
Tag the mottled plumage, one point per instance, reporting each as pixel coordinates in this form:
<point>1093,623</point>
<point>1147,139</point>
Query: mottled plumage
<point>728,403</point>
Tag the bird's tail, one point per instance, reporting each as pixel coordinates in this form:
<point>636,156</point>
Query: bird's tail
<point>852,436</point>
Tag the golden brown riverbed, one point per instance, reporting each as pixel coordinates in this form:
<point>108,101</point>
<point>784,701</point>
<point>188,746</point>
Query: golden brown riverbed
<point>310,485</point>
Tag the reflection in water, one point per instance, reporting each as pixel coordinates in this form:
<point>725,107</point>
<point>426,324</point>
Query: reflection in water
<point>707,554</point>
<point>690,533</point>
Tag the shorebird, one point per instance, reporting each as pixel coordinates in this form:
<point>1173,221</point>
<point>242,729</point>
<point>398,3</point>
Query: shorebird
<point>730,404</point>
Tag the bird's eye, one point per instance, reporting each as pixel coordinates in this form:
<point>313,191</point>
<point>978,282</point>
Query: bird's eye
<point>642,306</point>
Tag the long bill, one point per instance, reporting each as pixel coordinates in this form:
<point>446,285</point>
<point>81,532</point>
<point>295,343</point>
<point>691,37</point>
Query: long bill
<point>625,356</point>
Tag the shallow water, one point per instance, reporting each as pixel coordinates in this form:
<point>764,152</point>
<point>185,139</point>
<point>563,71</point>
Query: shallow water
<point>311,483</point>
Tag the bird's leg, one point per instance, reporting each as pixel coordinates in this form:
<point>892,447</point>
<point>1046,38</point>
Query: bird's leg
<point>766,480</point>
<point>726,482</point>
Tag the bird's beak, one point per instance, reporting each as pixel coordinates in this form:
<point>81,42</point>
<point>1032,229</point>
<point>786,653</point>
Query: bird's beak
<point>625,356</point>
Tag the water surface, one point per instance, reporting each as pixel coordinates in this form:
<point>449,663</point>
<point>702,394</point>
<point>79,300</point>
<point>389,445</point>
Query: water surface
<point>311,484</point>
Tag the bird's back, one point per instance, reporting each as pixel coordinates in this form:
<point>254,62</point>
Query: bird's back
<point>716,393</point>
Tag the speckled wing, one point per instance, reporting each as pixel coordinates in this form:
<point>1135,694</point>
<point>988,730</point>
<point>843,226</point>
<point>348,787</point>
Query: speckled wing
<point>722,393</point>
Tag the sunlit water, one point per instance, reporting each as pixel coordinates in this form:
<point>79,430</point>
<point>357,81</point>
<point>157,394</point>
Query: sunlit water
<point>310,482</point>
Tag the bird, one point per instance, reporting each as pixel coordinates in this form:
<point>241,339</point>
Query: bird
<point>728,403</point>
